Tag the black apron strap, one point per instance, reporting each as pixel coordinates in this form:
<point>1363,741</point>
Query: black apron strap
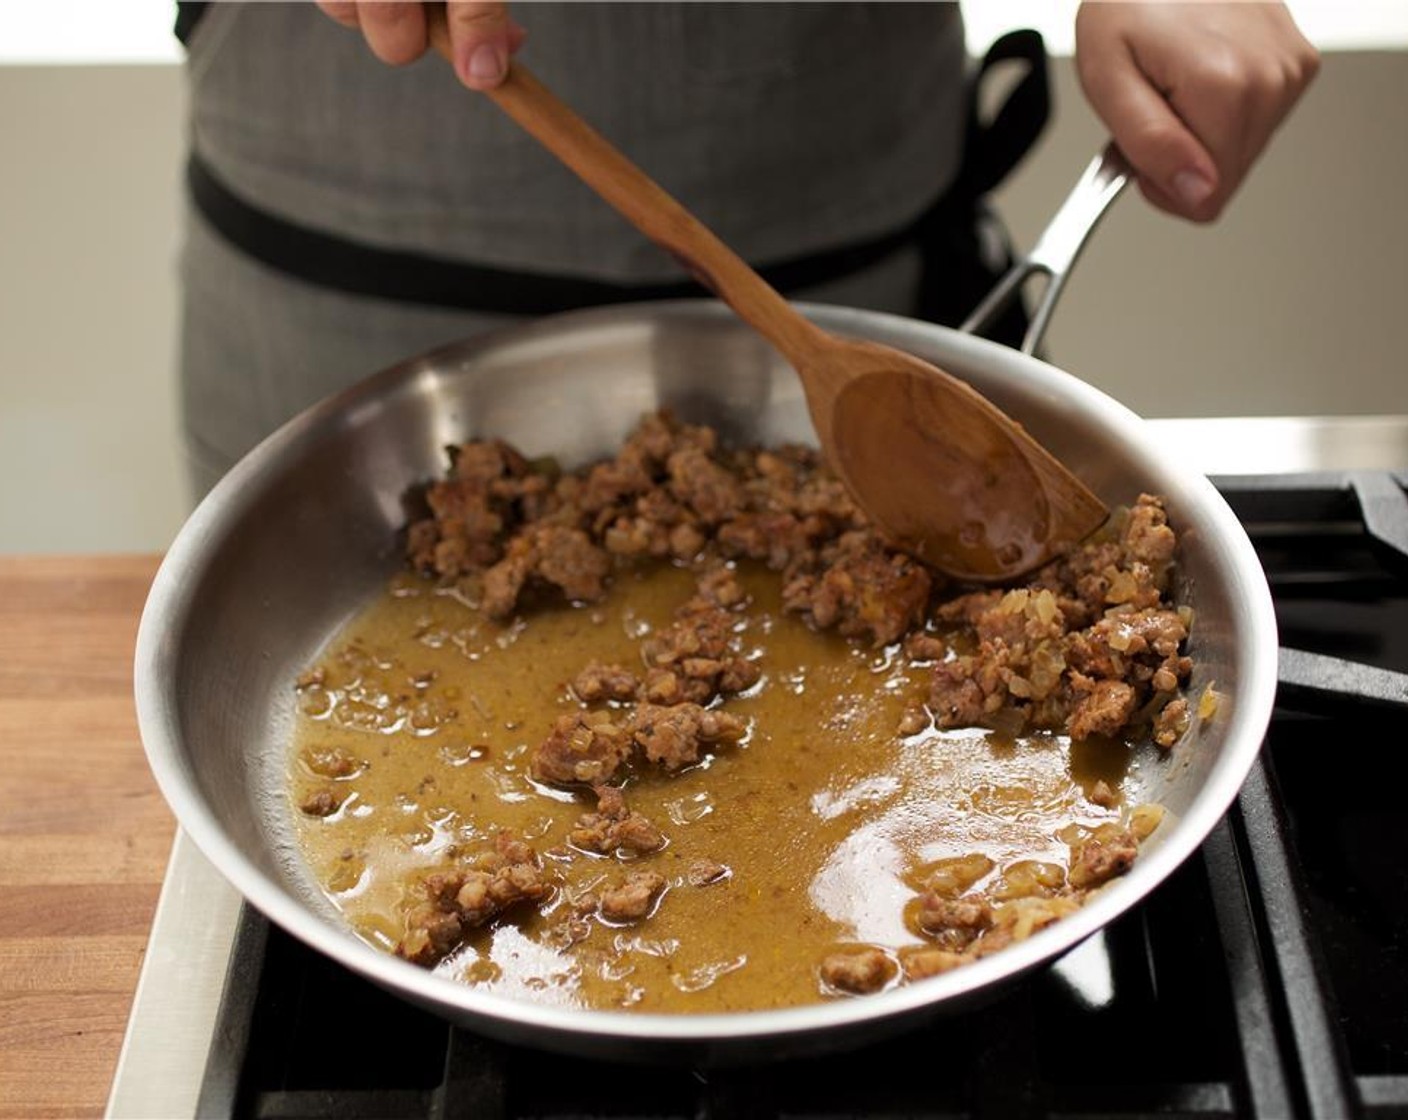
<point>993,149</point>
<point>960,235</point>
<point>355,267</point>
<point>188,14</point>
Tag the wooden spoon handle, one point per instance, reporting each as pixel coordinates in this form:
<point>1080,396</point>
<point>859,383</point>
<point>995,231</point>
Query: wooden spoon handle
<point>643,203</point>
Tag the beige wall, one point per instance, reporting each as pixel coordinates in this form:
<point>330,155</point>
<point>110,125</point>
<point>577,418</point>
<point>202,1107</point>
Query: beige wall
<point>1288,305</point>
<point>88,195</point>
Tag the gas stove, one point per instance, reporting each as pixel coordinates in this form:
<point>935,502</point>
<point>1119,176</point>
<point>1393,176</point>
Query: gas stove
<point>1268,977</point>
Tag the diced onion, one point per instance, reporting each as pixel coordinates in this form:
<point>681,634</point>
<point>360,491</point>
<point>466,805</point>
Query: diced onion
<point>1143,819</point>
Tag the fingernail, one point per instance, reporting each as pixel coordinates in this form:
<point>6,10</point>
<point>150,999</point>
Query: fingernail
<point>486,64</point>
<point>1193,188</point>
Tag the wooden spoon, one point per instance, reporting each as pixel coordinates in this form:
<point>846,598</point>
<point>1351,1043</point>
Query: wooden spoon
<point>940,471</point>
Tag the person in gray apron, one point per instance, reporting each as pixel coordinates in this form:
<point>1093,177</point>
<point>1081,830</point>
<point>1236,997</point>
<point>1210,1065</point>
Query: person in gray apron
<point>346,214</point>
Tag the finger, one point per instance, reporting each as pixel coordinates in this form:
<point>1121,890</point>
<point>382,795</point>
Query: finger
<point>1161,199</point>
<point>1222,98</point>
<point>395,31</point>
<point>482,37</point>
<point>343,11</point>
<point>1235,103</point>
<point>1162,149</point>
<point>1302,60</point>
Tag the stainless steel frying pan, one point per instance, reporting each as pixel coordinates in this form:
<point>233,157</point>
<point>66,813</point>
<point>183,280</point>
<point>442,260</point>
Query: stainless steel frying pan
<point>301,535</point>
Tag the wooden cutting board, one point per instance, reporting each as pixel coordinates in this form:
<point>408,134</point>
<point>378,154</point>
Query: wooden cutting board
<point>84,834</point>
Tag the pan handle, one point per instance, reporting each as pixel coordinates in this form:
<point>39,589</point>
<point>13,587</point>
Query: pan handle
<point>1056,250</point>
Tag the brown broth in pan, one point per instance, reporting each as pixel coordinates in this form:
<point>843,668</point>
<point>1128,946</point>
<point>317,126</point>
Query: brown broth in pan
<point>422,717</point>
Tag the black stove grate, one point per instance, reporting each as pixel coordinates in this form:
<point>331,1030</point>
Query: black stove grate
<point>1268,978</point>
<point>1320,816</point>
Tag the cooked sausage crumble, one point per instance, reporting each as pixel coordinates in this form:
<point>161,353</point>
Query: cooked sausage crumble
<point>1090,646</point>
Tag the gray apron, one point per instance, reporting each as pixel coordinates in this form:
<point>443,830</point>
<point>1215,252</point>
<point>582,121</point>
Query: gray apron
<point>788,128</point>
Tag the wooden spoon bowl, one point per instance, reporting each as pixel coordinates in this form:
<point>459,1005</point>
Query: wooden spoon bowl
<point>942,472</point>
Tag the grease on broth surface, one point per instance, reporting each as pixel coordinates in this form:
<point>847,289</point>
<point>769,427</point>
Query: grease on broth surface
<point>417,728</point>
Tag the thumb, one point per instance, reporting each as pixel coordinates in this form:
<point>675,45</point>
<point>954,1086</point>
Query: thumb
<point>482,37</point>
<point>1175,169</point>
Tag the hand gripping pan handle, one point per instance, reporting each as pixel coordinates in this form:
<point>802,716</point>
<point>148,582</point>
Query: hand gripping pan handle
<point>1056,250</point>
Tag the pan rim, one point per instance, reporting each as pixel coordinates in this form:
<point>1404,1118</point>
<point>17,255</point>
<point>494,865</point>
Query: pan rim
<point>173,588</point>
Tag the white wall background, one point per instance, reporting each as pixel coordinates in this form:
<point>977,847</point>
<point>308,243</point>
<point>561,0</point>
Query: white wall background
<point>1289,305</point>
